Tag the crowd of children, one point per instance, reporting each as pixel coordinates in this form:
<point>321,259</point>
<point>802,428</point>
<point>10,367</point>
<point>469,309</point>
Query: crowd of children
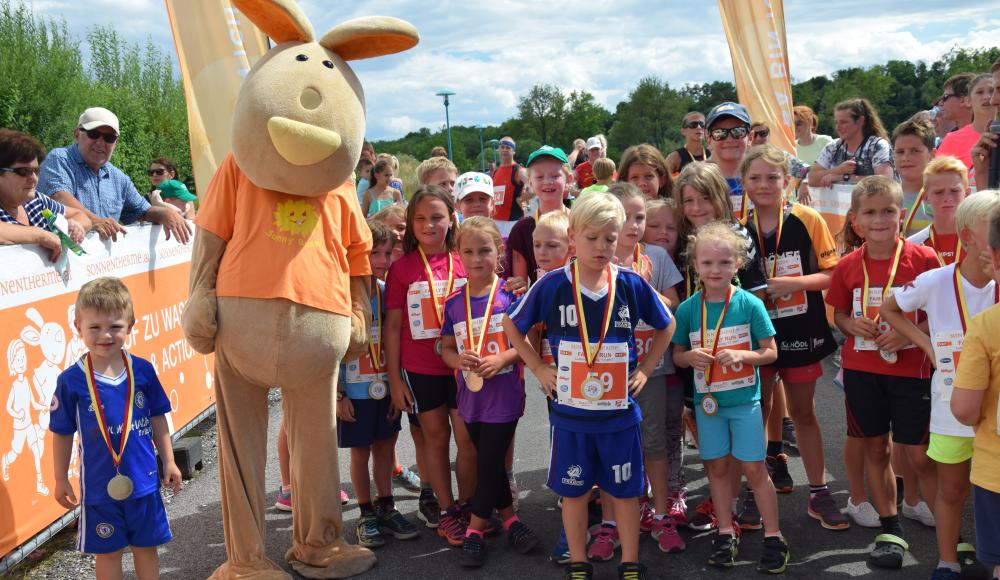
<point>651,304</point>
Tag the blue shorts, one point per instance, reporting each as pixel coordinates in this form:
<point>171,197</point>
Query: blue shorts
<point>108,527</point>
<point>736,430</point>
<point>987,511</point>
<point>612,461</point>
<point>371,424</point>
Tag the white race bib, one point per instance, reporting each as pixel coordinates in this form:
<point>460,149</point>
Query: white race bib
<point>947,350</point>
<point>725,378</point>
<point>789,264</point>
<point>643,341</point>
<point>361,369</point>
<point>494,343</point>
<point>874,303</point>
<point>420,307</point>
<point>602,387</point>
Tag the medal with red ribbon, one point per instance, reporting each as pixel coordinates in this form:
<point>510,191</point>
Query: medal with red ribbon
<point>473,381</point>
<point>889,357</point>
<point>438,306</point>
<point>591,384</point>
<point>708,403</point>
<point>120,486</point>
<point>913,211</point>
<point>770,272</point>
<point>377,389</point>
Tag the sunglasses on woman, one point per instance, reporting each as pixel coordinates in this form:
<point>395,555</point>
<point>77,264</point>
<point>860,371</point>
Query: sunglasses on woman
<point>761,133</point>
<point>695,125</point>
<point>152,172</point>
<point>734,132</point>
<point>21,171</point>
<point>108,137</point>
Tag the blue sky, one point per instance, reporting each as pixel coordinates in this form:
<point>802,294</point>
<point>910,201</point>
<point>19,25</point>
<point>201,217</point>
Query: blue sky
<point>490,53</point>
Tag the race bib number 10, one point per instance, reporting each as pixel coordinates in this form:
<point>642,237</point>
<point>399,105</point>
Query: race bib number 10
<point>726,378</point>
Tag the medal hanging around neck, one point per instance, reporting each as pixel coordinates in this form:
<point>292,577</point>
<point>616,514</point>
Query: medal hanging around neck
<point>377,389</point>
<point>709,404</point>
<point>473,381</point>
<point>963,309</point>
<point>770,272</point>
<point>889,357</point>
<point>438,306</point>
<point>120,486</point>
<point>592,388</point>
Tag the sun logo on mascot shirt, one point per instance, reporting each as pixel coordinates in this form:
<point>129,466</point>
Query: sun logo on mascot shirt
<point>296,217</point>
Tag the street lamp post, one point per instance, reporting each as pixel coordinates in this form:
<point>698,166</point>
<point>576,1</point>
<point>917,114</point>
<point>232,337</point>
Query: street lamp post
<point>494,143</point>
<point>447,121</point>
<point>482,155</point>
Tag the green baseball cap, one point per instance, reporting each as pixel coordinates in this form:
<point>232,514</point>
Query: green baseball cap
<point>176,189</point>
<point>547,151</point>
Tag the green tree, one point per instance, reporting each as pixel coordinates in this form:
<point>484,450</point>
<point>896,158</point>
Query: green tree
<point>543,111</point>
<point>651,114</point>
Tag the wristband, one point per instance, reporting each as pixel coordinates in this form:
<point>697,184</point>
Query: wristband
<point>847,177</point>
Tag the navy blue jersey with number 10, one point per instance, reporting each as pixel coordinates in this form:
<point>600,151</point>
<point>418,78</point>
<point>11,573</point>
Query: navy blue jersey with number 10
<point>551,301</point>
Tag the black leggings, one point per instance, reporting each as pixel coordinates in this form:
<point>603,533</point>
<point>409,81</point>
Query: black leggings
<point>492,489</point>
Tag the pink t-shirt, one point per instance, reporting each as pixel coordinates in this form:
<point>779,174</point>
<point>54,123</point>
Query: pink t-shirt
<point>959,144</point>
<point>406,289</point>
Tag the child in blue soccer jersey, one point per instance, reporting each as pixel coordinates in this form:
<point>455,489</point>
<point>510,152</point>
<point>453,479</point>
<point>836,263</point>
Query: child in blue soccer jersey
<point>724,332</point>
<point>116,403</point>
<point>590,309</point>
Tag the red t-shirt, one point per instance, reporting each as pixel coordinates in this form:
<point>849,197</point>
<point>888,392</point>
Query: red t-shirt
<point>845,294</point>
<point>406,277</point>
<point>505,191</point>
<point>959,144</point>
<point>584,173</point>
<point>945,245</point>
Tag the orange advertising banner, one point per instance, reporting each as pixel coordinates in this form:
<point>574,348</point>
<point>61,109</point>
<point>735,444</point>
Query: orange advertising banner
<point>755,30</point>
<point>216,47</point>
<point>39,341</point>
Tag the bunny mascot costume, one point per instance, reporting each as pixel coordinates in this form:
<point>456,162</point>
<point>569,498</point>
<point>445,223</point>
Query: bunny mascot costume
<point>279,276</point>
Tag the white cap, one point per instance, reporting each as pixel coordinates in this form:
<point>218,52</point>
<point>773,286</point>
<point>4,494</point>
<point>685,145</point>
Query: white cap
<point>95,117</point>
<point>471,181</point>
<point>594,143</point>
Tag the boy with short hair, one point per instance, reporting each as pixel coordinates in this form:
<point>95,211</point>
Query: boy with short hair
<point>366,422</point>
<point>439,171</point>
<point>590,308</point>
<point>474,195</point>
<point>116,394</point>
<point>974,403</point>
<point>946,184</point>
<point>913,148</point>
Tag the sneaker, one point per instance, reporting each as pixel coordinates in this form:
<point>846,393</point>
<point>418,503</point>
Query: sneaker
<point>428,508</point>
<point>579,571</point>
<point>774,557</point>
<point>521,538</point>
<point>667,538</point>
<point>344,498</point>
<point>823,508</point>
<point>678,508</point>
<point>473,551</point>
<point>451,528</point>
<point>646,513</point>
<point>602,547</point>
<point>284,502</point>
<point>493,523</point>
<point>393,522</point>
<point>725,547</point>
<point>788,432</point>
<point>407,478</point>
<point>920,512</point>
<point>513,491</point>
<point>704,517</point>
<point>631,571</point>
<point>749,518</point>
<point>560,553</point>
<point>777,468</point>
<point>945,574</point>
<point>863,514</point>
<point>369,535</point>
<point>972,569</point>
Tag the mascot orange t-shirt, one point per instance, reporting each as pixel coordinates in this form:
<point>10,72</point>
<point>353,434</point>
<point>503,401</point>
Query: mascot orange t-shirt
<point>285,245</point>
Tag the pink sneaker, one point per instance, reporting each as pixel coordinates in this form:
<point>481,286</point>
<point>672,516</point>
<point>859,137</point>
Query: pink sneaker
<point>678,508</point>
<point>646,513</point>
<point>344,498</point>
<point>602,547</point>
<point>284,502</point>
<point>665,532</point>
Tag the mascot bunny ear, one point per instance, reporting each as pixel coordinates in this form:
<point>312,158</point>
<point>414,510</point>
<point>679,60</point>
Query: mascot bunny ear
<point>370,37</point>
<point>282,20</point>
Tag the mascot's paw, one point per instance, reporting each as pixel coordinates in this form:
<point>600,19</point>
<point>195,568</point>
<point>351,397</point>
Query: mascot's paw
<point>339,560</point>
<point>199,320</point>
<point>263,570</point>
<point>358,344</point>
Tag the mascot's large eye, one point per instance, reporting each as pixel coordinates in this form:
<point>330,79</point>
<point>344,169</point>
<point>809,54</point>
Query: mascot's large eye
<point>301,58</point>
<point>327,64</point>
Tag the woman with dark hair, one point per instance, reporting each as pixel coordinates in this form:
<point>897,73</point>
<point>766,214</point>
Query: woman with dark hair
<point>160,170</point>
<point>21,219</point>
<point>862,148</point>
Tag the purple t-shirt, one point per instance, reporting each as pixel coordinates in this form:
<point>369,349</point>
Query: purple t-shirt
<point>501,399</point>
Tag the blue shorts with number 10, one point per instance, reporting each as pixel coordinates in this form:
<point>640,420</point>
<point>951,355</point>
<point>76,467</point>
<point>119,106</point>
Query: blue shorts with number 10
<point>612,461</point>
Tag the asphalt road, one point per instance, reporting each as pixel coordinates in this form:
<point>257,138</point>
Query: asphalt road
<point>198,548</point>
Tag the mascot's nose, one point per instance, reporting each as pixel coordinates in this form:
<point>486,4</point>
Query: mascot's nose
<point>310,98</point>
<point>301,143</point>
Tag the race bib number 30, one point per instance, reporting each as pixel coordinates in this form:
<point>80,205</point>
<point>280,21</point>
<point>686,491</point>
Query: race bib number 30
<point>494,343</point>
<point>947,350</point>
<point>420,307</point>
<point>726,378</point>
<point>789,264</point>
<point>601,387</point>
<point>643,341</point>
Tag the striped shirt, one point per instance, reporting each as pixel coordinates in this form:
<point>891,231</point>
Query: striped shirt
<point>33,207</point>
<point>108,193</point>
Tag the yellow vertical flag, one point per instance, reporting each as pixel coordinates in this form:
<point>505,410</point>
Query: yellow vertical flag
<point>755,30</point>
<point>216,46</point>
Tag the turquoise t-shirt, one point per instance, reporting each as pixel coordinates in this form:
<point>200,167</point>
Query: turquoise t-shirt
<point>746,323</point>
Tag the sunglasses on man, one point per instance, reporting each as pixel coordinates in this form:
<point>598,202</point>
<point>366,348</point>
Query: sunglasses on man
<point>94,134</point>
<point>734,132</point>
<point>21,171</point>
<point>695,125</point>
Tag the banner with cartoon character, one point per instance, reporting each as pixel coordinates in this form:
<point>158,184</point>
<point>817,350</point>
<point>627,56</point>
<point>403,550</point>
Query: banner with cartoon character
<point>38,340</point>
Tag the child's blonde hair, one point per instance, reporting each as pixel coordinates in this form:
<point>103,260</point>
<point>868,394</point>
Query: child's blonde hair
<point>975,208</point>
<point>604,169</point>
<point>717,231</point>
<point>947,164</point>
<point>482,225</point>
<point>768,154</point>
<point>705,178</point>
<point>429,166</point>
<point>658,203</point>
<point>624,190</point>
<point>866,188</point>
<point>596,209</point>
<point>397,211</point>
<point>106,295</point>
<point>556,221</point>
<point>391,158</point>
